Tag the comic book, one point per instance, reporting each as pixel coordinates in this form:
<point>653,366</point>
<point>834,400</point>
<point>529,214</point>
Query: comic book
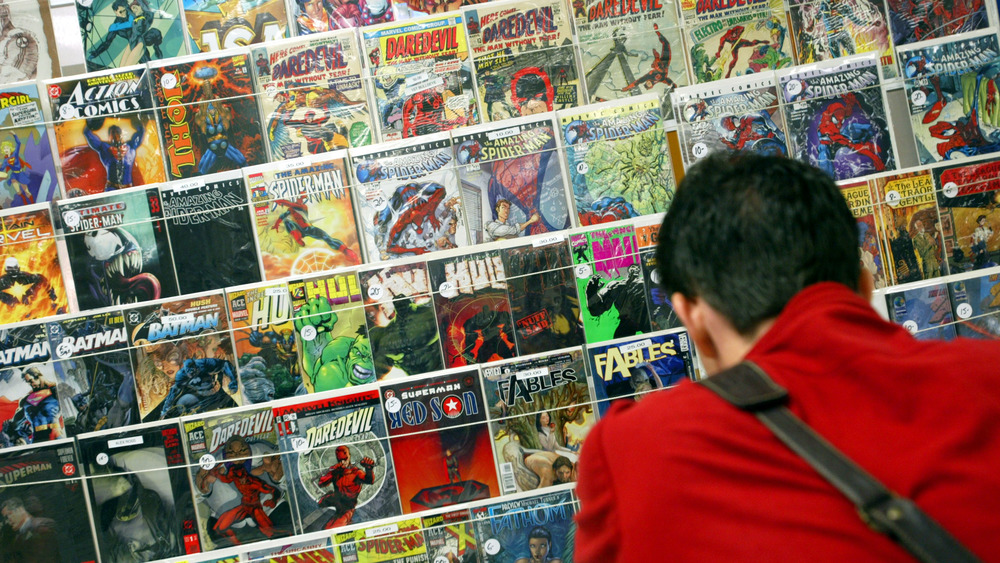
<point>214,25</point>
<point>421,76</point>
<point>923,311</point>
<point>314,551</point>
<point>319,16</point>
<point>919,21</point>
<point>118,248</point>
<point>450,536</point>
<point>312,98</point>
<point>907,220</point>
<point>513,182</point>
<point>183,356</point>
<point>976,303</point>
<point>106,132</point>
<point>506,528</point>
<point>540,410</point>
<point>30,411</point>
<point>140,493</point>
<point>408,197</point>
<point>402,323</point>
<point>304,215</point>
<point>401,541</point>
<point>117,33</point>
<point>44,505</point>
<point>661,312</point>
<point>209,117</point>
<point>967,198</point>
<point>870,241</point>
<point>29,42</point>
<point>339,464</point>
<point>618,159</point>
<point>831,29</point>
<point>27,169</point>
<point>240,491</point>
<point>523,57</point>
<point>264,341</point>
<point>31,285</point>
<point>948,83</point>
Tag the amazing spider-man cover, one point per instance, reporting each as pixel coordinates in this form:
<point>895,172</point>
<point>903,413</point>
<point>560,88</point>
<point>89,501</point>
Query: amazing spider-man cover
<point>912,21</point>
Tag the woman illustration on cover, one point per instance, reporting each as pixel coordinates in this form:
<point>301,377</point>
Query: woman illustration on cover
<point>546,432</point>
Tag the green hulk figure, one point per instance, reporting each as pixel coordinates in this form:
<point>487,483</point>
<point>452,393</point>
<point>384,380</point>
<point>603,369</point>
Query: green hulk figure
<point>331,362</point>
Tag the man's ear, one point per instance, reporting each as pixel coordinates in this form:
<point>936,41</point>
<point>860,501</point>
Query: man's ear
<point>692,314</point>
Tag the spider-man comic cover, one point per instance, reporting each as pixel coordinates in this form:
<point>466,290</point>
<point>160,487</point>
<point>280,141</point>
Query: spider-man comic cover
<point>912,21</point>
<point>832,29</point>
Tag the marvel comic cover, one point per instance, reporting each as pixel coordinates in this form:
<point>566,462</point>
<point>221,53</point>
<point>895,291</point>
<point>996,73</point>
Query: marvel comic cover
<point>315,551</point>
<point>919,21</point>
<point>336,452</point>
<point>408,196</point>
<point>513,182</point>
<point>140,493</point>
<point>540,410</point>
<point>119,33</point>
<point>618,159</point>
<point>870,241</point>
<point>967,199</point>
<point>240,490</point>
<point>948,84</point>
<point>401,541</point>
<point>402,324</point>
<point>31,285</point>
<point>44,506</point>
<point>907,221</point>
<point>831,29</point>
<point>523,57</point>
<point>421,77</point>
<point>319,16</point>
<point>661,312</point>
<point>473,311</point>
<point>976,303</point>
<point>413,8</point>
<point>514,530</point>
<point>209,117</point>
<point>27,169</point>
<point>923,311</point>
<point>450,536</point>
<point>215,25</point>
<point>311,95</point>
<point>264,341</point>
<point>106,132</point>
<point>29,42</point>
<point>30,411</point>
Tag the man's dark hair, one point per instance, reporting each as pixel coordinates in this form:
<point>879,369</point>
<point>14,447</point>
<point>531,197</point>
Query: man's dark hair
<point>562,461</point>
<point>747,232</point>
<point>119,4</point>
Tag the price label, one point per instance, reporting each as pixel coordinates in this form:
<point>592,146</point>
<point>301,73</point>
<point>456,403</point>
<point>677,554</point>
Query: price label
<point>207,462</point>
<point>187,185</point>
<point>794,88</point>
<point>448,290</point>
<point>72,219</point>
<point>893,198</point>
<point>910,326</point>
<point>168,81</point>
<point>294,163</point>
<point>492,546</point>
<point>102,458</point>
<point>378,202</point>
<point>381,530</point>
<point>67,111</point>
<point>583,271</point>
<point>392,404</point>
<point>950,189</point>
<point>530,373</point>
<point>64,350</point>
<point>918,98</point>
<point>271,91</point>
<point>963,311</point>
<point>375,292</point>
<point>300,444</point>
<point>545,241</point>
<point>640,345</point>
<point>276,291</point>
<point>582,168</point>
<point>308,333</point>
<point>699,150</point>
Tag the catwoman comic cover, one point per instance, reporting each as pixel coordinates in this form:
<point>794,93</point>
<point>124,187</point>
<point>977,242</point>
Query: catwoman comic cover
<point>925,312</point>
<point>27,167</point>
<point>264,341</point>
<point>514,530</point>
<point>870,241</point>
<point>832,29</point>
<point>31,284</point>
<point>401,541</point>
<point>120,33</point>
<point>216,25</point>
<point>967,197</point>
<point>661,312</point>
<point>30,411</point>
<point>976,303</point>
<point>919,21</point>
<point>451,536</point>
<point>321,16</point>
<point>907,221</point>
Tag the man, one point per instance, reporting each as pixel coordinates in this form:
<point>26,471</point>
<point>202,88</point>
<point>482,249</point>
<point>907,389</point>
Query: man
<point>117,155</point>
<point>925,243</point>
<point>760,256</point>
<point>34,538</point>
<point>503,227</point>
<point>347,480</point>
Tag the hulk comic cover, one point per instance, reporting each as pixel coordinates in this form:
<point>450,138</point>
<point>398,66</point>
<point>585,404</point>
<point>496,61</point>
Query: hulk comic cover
<point>910,21</point>
<point>27,166</point>
<point>336,452</point>
<point>450,536</point>
<point>967,197</point>
<point>120,33</point>
<point>618,160</point>
<point>523,57</point>
<point>923,311</point>
<point>402,323</point>
<point>320,550</point>
<point>514,530</point>
<point>401,541</point>
<point>949,85</point>
<point>870,242</point>
<point>513,182</point>
<point>31,285</point>
<point>976,304</point>
<point>832,29</point>
<point>320,16</point>
<point>209,117</point>
<point>312,98</point>
<point>30,411</point>
<point>215,25</point>
<point>907,221</point>
<point>264,341</point>
<point>421,76</point>
<point>661,312</point>
<point>105,131</point>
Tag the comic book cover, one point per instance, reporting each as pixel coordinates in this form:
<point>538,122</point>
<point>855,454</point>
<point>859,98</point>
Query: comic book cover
<point>44,505</point>
<point>523,57</point>
<point>30,411</point>
<point>473,311</point>
<point>304,215</point>
<point>31,285</point>
<point>513,182</point>
<point>29,43</point>
<point>119,33</point>
<point>610,283</point>
<point>240,491</point>
<point>618,159</point>
<point>336,452</point>
<point>661,312</point>
<point>209,117</point>
<point>27,169</point>
<point>836,117</point>
<point>514,530</point>
<point>408,196</point>
<point>215,25</point>
<point>314,551</point>
<point>106,132</point>
<point>967,199</point>
<point>450,536</point>
<point>421,76</point>
<point>401,541</point>
<point>870,242</point>
<point>118,248</point>
<point>916,21</point>
<point>831,29</point>
<point>140,493</point>
<point>923,311</point>
<point>320,16</point>
<point>907,221</point>
<point>183,356</point>
<point>976,303</point>
<point>311,95</point>
<point>540,410</point>
<point>948,84</point>
<point>402,323</point>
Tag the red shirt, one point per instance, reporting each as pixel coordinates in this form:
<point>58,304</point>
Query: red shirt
<point>684,476</point>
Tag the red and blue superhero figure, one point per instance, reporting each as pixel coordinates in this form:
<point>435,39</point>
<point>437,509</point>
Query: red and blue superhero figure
<point>411,204</point>
<point>606,210</point>
<point>298,225</point>
<point>754,132</point>
<point>734,36</point>
<point>836,129</point>
<point>16,170</point>
<point>577,132</point>
<point>658,74</point>
<point>117,155</point>
<point>964,135</point>
<point>699,110</point>
<point>920,65</point>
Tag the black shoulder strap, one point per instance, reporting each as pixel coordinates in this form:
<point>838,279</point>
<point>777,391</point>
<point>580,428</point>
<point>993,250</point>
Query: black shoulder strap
<point>748,388</point>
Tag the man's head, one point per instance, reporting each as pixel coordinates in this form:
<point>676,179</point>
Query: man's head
<point>237,449</point>
<point>13,512</point>
<point>981,220</point>
<point>539,543</point>
<point>33,377</point>
<point>503,210</point>
<point>343,455</point>
<point>563,468</point>
<point>120,8</point>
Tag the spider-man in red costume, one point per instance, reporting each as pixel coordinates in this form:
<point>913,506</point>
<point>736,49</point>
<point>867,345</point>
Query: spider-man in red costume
<point>835,130</point>
<point>422,114</point>
<point>734,36</point>
<point>753,132</point>
<point>412,204</point>
<point>606,210</point>
<point>963,135</point>
<point>658,74</point>
<point>296,224</point>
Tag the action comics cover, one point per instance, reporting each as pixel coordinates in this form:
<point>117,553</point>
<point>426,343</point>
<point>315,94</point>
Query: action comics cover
<point>915,21</point>
<point>976,303</point>
<point>408,196</point>
<point>450,536</point>
<point>513,182</point>
<point>31,285</point>
<point>336,452</point>
<point>120,33</point>
<point>540,410</point>
<point>831,29</point>
<point>315,551</point>
<point>27,168</point>
<point>610,283</point>
<point>183,356</point>
<point>870,241</point>
<point>264,341</point>
<point>311,95</point>
<point>209,117</point>
<point>836,117</point>
<point>421,77</point>
<point>215,25</point>
<point>106,132</point>
<point>402,323</point>
<point>240,491</point>
<point>140,493</point>
<point>30,411</point>
<point>967,197</point>
<point>401,541</point>
<point>441,421</point>
<point>523,57</point>
<point>319,16</point>
<point>44,505</point>
<point>661,312</point>
<point>29,42</point>
<point>949,84</point>
<point>117,248</point>
<point>923,311</point>
<point>907,221</point>
<point>511,530</point>
<point>473,311</point>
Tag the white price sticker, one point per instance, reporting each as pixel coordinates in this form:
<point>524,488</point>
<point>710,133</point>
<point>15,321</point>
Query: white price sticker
<point>918,98</point>
<point>392,404</point>
<point>168,81</point>
<point>381,530</point>
<point>531,373</point>
<point>640,345</point>
<point>187,185</point>
<point>545,241</point>
<point>794,88</point>
<point>207,462</point>
<point>963,311</point>
<point>293,163</point>
<point>910,326</point>
<point>308,333</point>
<point>950,189</point>
<point>893,198</point>
<point>582,168</point>
<point>699,150</point>
<point>583,271</point>
<point>67,111</point>
<point>448,290</point>
<point>178,318</point>
<point>300,444</point>
<point>64,350</point>
<point>72,219</point>
<point>492,546</point>
<point>123,442</point>
<point>276,291</point>
<point>375,292</point>
<point>102,458</point>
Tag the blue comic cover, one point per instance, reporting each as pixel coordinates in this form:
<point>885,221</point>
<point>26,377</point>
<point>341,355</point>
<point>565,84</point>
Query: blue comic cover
<point>27,168</point>
<point>30,412</point>
<point>119,33</point>
<point>661,311</point>
<point>924,311</point>
<point>976,302</point>
<point>532,528</point>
